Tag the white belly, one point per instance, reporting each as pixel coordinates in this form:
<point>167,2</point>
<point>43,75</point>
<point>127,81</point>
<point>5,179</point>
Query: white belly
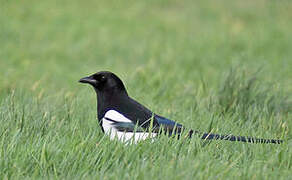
<point>134,137</point>
<point>114,133</point>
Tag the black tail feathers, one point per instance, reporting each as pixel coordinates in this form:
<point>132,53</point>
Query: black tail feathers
<point>210,136</point>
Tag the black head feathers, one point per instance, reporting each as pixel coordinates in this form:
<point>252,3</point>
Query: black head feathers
<point>105,82</point>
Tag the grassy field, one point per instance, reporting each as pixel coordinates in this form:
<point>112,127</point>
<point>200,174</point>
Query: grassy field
<point>220,66</point>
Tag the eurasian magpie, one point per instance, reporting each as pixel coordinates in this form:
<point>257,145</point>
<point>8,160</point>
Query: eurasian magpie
<point>122,117</point>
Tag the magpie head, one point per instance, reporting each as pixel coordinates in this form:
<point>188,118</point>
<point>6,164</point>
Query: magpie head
<point>105,82</point>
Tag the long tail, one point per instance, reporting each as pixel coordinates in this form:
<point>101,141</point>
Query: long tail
<point>210,136</point>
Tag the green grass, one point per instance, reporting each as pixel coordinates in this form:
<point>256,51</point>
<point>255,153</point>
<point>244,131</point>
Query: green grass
<point>220,66</point>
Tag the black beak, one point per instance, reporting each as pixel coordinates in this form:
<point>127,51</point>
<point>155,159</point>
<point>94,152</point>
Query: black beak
<point>88,80</point>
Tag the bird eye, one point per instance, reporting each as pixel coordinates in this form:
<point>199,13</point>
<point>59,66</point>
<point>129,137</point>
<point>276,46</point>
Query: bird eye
<point>99,77</point>
<point>102,78</point>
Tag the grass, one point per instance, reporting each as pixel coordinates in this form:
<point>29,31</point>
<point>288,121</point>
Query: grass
<point>194,62</point>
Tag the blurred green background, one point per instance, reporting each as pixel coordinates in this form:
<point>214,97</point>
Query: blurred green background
<point>57,42</point>
<point>173,56</point>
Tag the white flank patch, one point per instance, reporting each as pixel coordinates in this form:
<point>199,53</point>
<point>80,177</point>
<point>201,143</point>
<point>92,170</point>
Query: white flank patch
<point>116,116</point>
<point>110,130</point>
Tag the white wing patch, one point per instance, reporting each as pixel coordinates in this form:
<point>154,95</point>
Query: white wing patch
<point>114,115</point>
<point>109,128</point>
